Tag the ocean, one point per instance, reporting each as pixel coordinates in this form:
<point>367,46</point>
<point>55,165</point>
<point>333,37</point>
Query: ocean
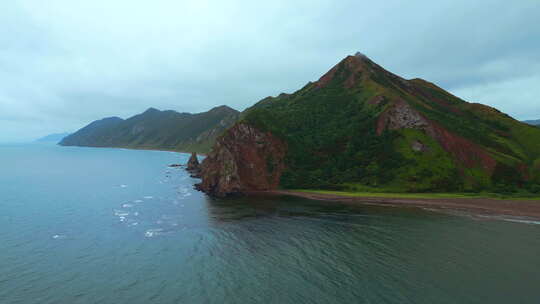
<point>97,225</point>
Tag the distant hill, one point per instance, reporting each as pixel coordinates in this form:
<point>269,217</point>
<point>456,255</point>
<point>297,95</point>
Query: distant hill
<point>155,129</point>
<point>533,122</point>
<point>56,137</point>
<point>363,128</point>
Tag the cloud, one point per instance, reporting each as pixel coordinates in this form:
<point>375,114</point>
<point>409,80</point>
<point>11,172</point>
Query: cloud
<point>519,96</point>
<point>65,63</point>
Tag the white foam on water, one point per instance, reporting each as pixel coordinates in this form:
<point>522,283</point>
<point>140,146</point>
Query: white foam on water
<point>530,222</point>
<point>123,186</point>
<point>137,201</point>
<point>148,197</point>
<point>121,213</point>
<point>127,205</point>
<point>58,236</point>
<point>122,218</point>
<point>134,224</point>
<point>136,213</point>
<point>152,232</point>
<point>521,220</point>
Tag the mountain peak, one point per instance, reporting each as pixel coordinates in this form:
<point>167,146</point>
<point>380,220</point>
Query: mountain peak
<point>361,56</point>
<point>222,109</point>
<point>356,59</point>
<point>349,70</point>
<point>356,69</point>
<point>151,110</point>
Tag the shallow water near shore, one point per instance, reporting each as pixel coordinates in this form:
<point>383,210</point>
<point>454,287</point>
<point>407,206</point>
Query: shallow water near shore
<point>87,225</point>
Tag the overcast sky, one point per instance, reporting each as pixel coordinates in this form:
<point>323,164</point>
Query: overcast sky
<point>64,63</point>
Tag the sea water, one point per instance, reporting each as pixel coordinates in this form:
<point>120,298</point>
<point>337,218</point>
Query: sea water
<point>94,225</point>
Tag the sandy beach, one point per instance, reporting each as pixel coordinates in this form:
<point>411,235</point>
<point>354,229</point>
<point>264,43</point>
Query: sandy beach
<point>483,206</point>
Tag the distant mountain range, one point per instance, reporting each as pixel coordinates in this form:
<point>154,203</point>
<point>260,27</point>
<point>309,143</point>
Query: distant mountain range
<point>363,128</point>
<point>533,122</point>
<point>154,129</point>
<point>56,137</point>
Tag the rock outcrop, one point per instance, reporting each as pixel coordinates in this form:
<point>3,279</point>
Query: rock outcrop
<point>402,116</point>
<point>193,165</point>
<point>244,159</point>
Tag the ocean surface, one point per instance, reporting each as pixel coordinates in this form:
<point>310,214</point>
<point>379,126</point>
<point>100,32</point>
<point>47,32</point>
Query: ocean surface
<point>88,225</point>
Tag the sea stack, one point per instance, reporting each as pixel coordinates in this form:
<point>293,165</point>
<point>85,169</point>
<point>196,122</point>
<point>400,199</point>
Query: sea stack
<point>193,165</point>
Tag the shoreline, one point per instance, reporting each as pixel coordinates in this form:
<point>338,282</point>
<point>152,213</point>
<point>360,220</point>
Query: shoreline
<point>477,206</point>
<point>131,148</point>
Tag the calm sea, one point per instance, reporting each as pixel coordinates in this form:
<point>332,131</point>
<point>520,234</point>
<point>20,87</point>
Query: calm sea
<point>85,225</point>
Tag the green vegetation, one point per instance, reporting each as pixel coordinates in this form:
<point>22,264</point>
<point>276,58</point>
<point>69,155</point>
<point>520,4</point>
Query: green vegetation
<point>160,130</point>
<point>329,122</point>
<point>330,128</point>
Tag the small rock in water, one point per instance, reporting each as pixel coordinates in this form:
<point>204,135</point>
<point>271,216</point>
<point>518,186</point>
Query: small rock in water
<point>193,166</point>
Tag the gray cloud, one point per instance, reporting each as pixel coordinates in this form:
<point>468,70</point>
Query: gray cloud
<point>65,63</point>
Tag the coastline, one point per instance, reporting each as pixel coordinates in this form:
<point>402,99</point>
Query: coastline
<point>138,148</point>
<point>478,206</point>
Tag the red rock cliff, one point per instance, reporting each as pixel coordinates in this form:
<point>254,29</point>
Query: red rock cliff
<point>244,159</point>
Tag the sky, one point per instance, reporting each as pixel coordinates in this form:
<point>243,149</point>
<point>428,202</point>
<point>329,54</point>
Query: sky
<point>65,63</point>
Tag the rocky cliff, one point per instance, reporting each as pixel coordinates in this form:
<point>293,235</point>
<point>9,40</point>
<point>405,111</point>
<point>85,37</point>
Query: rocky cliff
<point>244,159</point>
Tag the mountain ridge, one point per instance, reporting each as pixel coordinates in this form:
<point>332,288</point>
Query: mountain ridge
<point>360,126</point>
<point>533,122</point>
<point>54,137</point>
<point>155,129</point>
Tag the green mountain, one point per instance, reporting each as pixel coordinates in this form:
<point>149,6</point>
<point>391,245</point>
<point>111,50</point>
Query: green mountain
<point>361,127</point>
<point>56,137</point>
<point>154,129</point>
<point>533,122</point>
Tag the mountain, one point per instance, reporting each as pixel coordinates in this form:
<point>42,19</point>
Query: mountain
<point>363,128</point>
<point>154,129</point>
<point>56,137</point>
<point>533,122</point>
